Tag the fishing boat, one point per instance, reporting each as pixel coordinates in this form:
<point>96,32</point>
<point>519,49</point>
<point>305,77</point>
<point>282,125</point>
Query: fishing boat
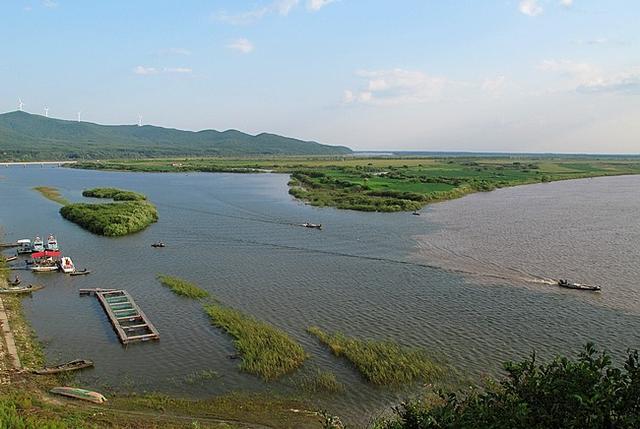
<point>73,365</point>
<point>38,245</point>
<point>16,282</point>
<point>76,392</point>
<point>416,213</point>
<point>80,273</point>
<point>24,246</point>
<point>10,258</point>
<point>312,225</point>
<point>66,265</point>
<point>578,286</point>
<point>44,268</point>
<point>158,244</point>
<point>18,289</point>
<point>52,243</point>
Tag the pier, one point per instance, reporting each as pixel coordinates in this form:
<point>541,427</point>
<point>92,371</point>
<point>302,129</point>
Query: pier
<point>127,319</point>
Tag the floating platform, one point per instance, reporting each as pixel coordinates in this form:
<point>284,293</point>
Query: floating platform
<point>127,319</point>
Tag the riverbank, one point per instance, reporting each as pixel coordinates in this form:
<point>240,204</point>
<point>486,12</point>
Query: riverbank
<point>392,184</point>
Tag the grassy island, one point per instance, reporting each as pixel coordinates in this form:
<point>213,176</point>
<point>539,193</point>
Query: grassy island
<point>52,194</point>
<point>182,287</point>
<point>130,213</point>
<point>391,184</point>
<point>265,350</point>
<point>380,362</point>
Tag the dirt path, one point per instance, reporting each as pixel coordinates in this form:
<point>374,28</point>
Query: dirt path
<point>9,344</point>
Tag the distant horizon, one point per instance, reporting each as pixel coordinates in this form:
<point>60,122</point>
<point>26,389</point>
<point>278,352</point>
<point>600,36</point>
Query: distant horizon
<point>355,151</point>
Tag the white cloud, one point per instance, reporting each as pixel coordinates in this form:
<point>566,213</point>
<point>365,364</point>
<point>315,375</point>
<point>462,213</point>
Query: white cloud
<point>241,45</point>
<point>316,5</point>
<point>584,77</point>
<point>142,70</point>
<point>49,4</point>
<point>530,7</point>
<point>397,86</point>
<point>281,7</point>
<point>566,3</point>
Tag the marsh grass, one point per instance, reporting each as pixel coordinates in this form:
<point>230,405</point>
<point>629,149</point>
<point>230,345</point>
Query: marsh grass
<point>381,362</point>
<point>114,193</point>
<point>320,382</point>
<point>182,287</point>
<point>266,351</point>
<point>52,194</point>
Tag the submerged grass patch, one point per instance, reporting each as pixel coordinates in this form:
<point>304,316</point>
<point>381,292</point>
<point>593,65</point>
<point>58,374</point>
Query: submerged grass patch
<point>114,193</point>
<point>266,351</point>
<point>52,194</point>
<point>182,287</point>
<point>321,382</point>
<point>380,362</point>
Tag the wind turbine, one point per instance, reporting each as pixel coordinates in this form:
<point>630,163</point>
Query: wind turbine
<point>79,113</point>
<point>139,120</point>
<point>46,112</point>
<point>20,104</point>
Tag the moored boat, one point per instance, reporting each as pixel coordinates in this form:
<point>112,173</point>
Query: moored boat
<point>21,289</point>
<point>52,243</point>
<point>578,286</point>
<point>73,365</point>
<point>10,258</point>
<point>44,268</point>
<point>83,272</point>
<point>66,265</point>
<point>38,245</point>
<point>76,392</point>
<point>24,246</point>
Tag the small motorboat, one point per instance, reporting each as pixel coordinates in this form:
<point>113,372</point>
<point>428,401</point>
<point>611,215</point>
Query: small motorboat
<point>76,392</point>
<point>23,289</point>
<point>578,286</point>
<point>312,225</point>
<point>158,244</point>
<point>10,258</point>
<point>80,273</point>
<point>416,213</point>
<point>44,268</point>
<point>73,365</point>
<point>16,282</point>
<point>66,265</point>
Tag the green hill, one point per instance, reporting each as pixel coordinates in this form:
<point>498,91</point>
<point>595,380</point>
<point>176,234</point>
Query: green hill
<point>25,137</point>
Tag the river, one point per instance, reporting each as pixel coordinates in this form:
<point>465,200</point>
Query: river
<point>466,280</point>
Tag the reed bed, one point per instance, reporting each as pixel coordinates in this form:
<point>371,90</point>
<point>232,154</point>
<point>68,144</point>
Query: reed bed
<point>52,194</point>
<point>321,382</point>
<point>182,287</point>
<point>380,362</point>
<point>265,350</point>
<point>112,219</point>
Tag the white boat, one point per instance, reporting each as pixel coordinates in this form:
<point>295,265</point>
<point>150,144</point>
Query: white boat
<point>44,268</point>
<point>52,243</point>
<point>38,245</point>
<point>24,246</point>
<point>66,265</point>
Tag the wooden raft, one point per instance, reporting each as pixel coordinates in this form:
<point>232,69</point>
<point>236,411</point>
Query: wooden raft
<point>127,319</point>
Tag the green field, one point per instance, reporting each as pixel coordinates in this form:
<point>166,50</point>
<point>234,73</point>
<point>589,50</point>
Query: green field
<point>390,184</point>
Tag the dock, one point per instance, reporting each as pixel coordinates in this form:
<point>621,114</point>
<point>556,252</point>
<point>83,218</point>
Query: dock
<point>127,319</point>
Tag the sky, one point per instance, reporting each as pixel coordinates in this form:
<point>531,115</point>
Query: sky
<point>431,75</point>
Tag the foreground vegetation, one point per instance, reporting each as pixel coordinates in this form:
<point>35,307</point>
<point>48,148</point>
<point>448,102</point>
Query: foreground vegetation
<point>112,219</point>
<point>52,194</point>
<point>182,287</point>
<point>265,350</point>
<point>381,362</point>
<point>587,393</point>
<point>389,184</point>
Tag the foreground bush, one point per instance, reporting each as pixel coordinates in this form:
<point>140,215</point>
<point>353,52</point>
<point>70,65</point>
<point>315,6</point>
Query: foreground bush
<point>586,393</point>
<point>266,351</point>
<point>111,219</point>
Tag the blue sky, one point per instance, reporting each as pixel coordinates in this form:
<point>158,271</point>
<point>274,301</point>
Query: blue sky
<point>481,75</point>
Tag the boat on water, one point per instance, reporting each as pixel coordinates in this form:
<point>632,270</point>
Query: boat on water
<point>21,289</point>
<point>16,282</point>
<point>24,246</point>
<point>416,213</point>
<point>158,244</point>
<point>52,243</point>
<point>38,245</point>
<point>312,225</point>
<point>83,272</point>
<point>73,365</point>
<point>10,258</point>
<point>66,265</point>
<point>76,392</point>
<point>43,268</point>
<point>578,286</point>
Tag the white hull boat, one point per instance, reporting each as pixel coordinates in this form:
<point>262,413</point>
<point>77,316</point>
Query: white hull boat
<point>66,265</point>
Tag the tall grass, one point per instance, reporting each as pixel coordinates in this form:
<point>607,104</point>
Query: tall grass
<point>13,417</point>
<point>380,362</point>
<point>266,351</point>
<point>182,287</point>
<point>52,193</point>
<point>321,382</point>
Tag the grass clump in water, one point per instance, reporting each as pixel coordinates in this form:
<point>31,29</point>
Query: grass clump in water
<point>321,382</point>
<point>114,193</point>
<point>266,351</point>
<point>112,219</point>
<point>380,362</point>
<point>52,194</point>
<point>182,287</point>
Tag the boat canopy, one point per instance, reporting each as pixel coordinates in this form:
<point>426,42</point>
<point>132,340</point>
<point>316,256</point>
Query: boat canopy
<point>24,241</point>
<point>45,254</point>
